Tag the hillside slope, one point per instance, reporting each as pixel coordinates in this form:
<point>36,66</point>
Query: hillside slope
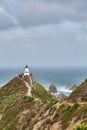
<point>41,111</point>
<point>80,93</point>
<point>17,109</point>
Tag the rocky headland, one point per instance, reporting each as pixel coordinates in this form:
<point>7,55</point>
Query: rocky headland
<point>40,110</point>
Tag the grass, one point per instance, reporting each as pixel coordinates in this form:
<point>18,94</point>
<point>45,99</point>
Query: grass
<point>9,127</point>
<point>13,102</point>
<point>81,127</point>
<point>65,114</point>
<point>11,93</point>
<point>12,115</point>
<point>8,101</point>
<point>79,93</point>
<point>29,119</point>
<point>10,119</point>
<point>43,95</point>
<point>31,115</point>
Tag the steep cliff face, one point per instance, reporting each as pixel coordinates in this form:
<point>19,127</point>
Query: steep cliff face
<point>17,110</point>
<point>41,111</point>
<point>80,93</point>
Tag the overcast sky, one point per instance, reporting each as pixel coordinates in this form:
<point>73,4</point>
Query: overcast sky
<point>43,33</point>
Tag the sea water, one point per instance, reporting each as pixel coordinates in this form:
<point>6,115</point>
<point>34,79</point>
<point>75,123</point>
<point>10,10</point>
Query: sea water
<point>45,76</point>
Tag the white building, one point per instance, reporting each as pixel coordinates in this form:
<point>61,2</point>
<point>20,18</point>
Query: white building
<point>26,71</point>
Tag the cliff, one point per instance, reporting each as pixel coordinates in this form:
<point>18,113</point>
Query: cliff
<point>41,110</point>
<point>17,110</point>
<point>80,93</point>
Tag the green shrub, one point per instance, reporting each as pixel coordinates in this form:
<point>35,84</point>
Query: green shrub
<point>28,99</point>
<point>9,127</point>
<point>81,127</point>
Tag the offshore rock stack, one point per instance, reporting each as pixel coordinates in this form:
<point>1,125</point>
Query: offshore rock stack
<point>52,88</point>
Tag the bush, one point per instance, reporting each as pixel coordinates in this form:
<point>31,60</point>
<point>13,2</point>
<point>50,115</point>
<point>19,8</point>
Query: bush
<point>81,127</point>
<point>28,99</point>
<point>9,127</point>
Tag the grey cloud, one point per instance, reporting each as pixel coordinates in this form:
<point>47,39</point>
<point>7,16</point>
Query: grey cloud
<point>41,12</point>
<point>59,45</point>
<point>43,32</point>
<point>5,22</point>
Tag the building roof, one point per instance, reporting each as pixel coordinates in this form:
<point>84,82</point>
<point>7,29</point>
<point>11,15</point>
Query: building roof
<point>26,66</point>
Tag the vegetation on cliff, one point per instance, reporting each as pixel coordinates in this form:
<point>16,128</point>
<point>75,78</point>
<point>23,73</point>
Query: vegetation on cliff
<point>13,102</point>
<point>41,111</point>
<point>80,93</point>
<point>81,127</point>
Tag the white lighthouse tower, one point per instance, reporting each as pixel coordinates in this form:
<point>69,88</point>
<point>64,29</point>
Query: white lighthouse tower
<point>26,71</point>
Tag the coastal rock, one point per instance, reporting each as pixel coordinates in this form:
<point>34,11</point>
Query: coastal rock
<point>52,88</point>
<point>61,97</point>
<point>71,87</point>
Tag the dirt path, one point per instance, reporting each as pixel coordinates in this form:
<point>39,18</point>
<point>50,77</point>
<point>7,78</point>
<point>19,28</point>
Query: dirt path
<point>29,88</point>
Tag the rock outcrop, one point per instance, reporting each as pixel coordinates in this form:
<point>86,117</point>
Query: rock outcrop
<point>52,88</point>
<point>71,87</point>
<point>61,97</point>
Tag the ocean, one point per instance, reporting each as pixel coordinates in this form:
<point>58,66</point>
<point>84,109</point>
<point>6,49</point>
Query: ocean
<point>45,76</point>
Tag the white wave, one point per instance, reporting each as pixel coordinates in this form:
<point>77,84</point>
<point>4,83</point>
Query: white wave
<point>59,89</point>
<point>1,85</point>
<point>63,89</point>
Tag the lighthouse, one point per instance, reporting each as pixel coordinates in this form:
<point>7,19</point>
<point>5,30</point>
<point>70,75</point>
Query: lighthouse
<point>26,71</point>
